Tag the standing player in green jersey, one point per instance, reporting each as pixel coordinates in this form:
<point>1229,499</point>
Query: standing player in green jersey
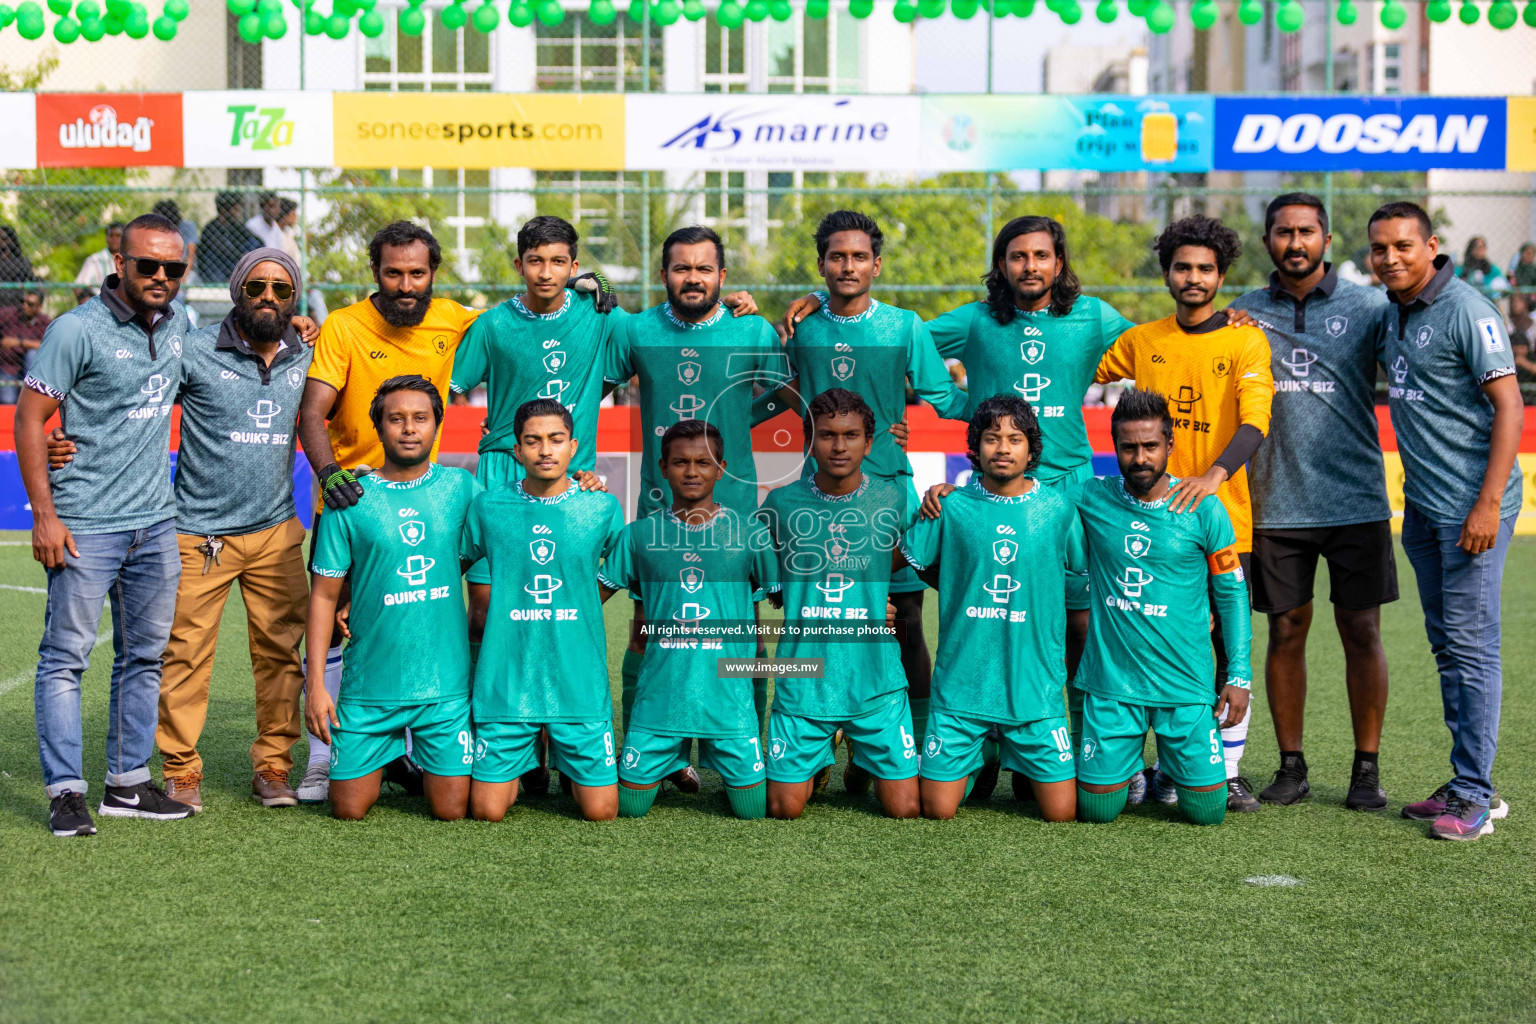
<point>407,662</point>
<point>1002,636</point>
<point>694,362</point>
<point>835,532</point>
<point>871,349</point>
<point>1154,576</point>
<point>691,566</point>
<point>542,539</point>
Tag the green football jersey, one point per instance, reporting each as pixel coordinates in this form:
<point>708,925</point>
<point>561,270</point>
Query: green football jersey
<point>399,547</point>
<point>702,371</point>
<point>1047,360</point>
<point>544,657</point>
<point>1149,572</point>
<point>835,563</point>
<point>872,354</point>
<point>1002,600</point>
<point>694,576</point>
<point>520,355</point>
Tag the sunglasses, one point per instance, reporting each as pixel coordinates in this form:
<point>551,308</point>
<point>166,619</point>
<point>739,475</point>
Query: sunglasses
<point>146,267</point>
<point>282,289</point>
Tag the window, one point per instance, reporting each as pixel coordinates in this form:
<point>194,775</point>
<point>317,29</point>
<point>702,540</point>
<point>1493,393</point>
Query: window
<point>799,55</point>
<point>579,55</point>
<point>1392,68</point>
<point>602,213</point>
<point>439,60</point>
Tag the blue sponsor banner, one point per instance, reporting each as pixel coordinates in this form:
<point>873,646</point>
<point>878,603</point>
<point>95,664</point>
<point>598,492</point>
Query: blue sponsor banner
<point>1377,133</point>
<point>16,513</point>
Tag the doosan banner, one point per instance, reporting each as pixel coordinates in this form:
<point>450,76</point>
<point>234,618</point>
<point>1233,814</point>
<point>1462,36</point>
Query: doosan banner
<point>1339,133</point>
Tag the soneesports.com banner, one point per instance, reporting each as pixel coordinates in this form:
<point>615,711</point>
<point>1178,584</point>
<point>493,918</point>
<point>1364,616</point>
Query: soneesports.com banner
<point>770,132</point>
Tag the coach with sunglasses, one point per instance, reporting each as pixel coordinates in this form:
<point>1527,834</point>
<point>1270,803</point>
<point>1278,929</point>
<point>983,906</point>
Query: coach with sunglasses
<point>104,526</point>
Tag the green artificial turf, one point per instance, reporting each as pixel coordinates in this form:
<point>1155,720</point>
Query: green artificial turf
<point>689,915</point>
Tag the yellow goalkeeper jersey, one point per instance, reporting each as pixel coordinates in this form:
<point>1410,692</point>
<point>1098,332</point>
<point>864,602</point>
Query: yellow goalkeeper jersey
<point>1216,378</point>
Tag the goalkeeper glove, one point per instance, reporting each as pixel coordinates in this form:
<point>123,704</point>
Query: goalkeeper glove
<point>340,488</point>
<point>592,281</point>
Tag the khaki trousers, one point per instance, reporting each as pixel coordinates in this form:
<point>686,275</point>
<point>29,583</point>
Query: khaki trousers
<point>270,567</point>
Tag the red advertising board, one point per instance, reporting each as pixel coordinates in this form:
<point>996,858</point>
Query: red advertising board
<point>136,129</point>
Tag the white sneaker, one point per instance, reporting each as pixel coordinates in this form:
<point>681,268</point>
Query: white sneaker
<point>1136,791</point>
<point>316,784</point>
<point>1163,788</point>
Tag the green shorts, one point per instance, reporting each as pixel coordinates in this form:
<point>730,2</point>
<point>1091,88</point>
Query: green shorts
<point>1070,486</point>
<point>372,735</point>
<point>1040,751</point>
<point>650,758</point>
<point>1188,742</point>
<point>882,743</point>
<point>580,751</point>
<point>494,469</point>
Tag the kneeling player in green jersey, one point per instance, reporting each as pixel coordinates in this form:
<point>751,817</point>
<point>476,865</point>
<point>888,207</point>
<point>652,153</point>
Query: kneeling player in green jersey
<point>835,532</point>
<point>1002,617</point>
<point>1153,577</point>
<point>696,569</point>
<point>407,661</point>
<point>542,539</point>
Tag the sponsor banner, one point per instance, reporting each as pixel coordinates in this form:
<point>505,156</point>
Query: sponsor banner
<point>257,129</point>
<point>18,131</point>
<point>1359,133</point>
<point>1103,133</point>
<point>137,129</point>
<point>1522,133</point>
<point>784,132</point>
<point>544,131</point>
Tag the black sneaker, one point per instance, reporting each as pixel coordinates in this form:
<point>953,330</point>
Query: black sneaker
<point>1240,795</point>
<point>67,815</point>
<point>534,782</point>
<point>406,774</point>
<point>1365,792</point>
<point>986,782</point>
<point>1290,783</point>
<point>146,800</point>
<point>1023,792</point>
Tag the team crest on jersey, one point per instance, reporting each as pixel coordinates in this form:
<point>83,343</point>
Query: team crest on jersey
<point>1136,545</point>
<point>1005,551</point>
<point>1031,351</point>
<point>842,367</point>
<point>692,578</point>
<point>295,377</point>
<point>1425,333</point>
<point>440,343</point>
<point>1089,749</point>
<point>541,550</point>
<point>413,532</point>
<point>837,549</point>
<point>932,746</point>
<point>480,748</point>
<point>176,345</point>
<point>1336,325</point>
<point>1221,366</point>
<point>631,757</point>
<point>1132,578</point>
<point>554,361</point>
<point>688,372</point>
<point>777,748</point>
<point>1001,587</point>
<point>834,587</point>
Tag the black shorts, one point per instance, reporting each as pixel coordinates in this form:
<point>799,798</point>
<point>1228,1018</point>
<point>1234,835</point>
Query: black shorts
<point>1362,570</point>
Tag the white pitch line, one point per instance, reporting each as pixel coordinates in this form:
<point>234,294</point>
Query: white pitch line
<point>7,685</point>
<point>24,590</point>
<point>15,543</point>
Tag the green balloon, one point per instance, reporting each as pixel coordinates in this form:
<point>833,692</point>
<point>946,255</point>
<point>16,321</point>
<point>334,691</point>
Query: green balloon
<point>817,9</point>
<point>637,10</point>
<point>1023,8</point>
<point>1160,17</point>
<point>485,19</point>
<point>779,10</point>
<point>453,16</point>
<point>1347,13</point>
<point>1468,13</point>
<point>274,25</point>
<point>1107,11</point>
<point>1438,11</point>
<point>66,30</point>
<point>1142,8</point>
<point>239,8</point>
<point>1290,16</point>
<point>165,28</point>
<point>1071,13</point>
<point>92,29</point>
<point>1394,14</point>
<point>602,12</point>
<point>757,10</point>
<point>7,16</point>
<point>550,13</point>
<point>137,26</point>
<point>862,9</point>
<point>59,7</point>
<point>249,27</point>
<point>965,9</point>
<point>371,24</point>
<point>1204,14</point>
<point>905,12</point>
<point>87,9</point>
<point>336,26</point>
<point>930,8</point>
<point>731,14</point>
<point>29,28</point>
<point>666,12</point>
<point>1529,14</point>
<point>314,22</point>
<point>111,24</point>
<point>119,7</point>
<point>1502,15</point>
<point>412,22</point>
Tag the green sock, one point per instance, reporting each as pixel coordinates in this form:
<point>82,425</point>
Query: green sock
<point>760,700</point>
<point>748,804</point>
<point>1075,716</point>
<point>920,721</point>
<point>1099,808</point>
<point>633,803</point>
<point>1207,808</point>
<point>474,657</point>
<point>970,784</point>
<point>629,674</point>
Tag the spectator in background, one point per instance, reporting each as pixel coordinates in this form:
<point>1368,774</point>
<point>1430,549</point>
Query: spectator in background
<point>1522,293</point>
<point>1479,272</point>
<point>287,223</point>
<point>267,225</point>
<point>21,332</point>
<point>168,209</point>
<point>225,239</point>
<point>13,266</point>
<point>99,265</point>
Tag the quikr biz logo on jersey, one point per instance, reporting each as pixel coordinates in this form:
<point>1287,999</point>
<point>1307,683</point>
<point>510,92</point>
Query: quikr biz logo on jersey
<point>414,572</point>
<point>1184,401</point>
<point>1300,365</point>
<point>1399,387</point>
<point>154,390</point>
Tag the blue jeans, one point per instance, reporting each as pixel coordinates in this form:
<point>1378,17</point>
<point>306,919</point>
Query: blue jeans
<point>1460,595</point>
<point>138,571</point>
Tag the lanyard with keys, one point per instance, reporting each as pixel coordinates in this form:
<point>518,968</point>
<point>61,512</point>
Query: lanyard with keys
<point>210,547</point>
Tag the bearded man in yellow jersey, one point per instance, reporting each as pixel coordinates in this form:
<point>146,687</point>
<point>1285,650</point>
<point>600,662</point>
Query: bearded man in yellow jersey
<point>1217,380</point>
<point>399,329</point>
